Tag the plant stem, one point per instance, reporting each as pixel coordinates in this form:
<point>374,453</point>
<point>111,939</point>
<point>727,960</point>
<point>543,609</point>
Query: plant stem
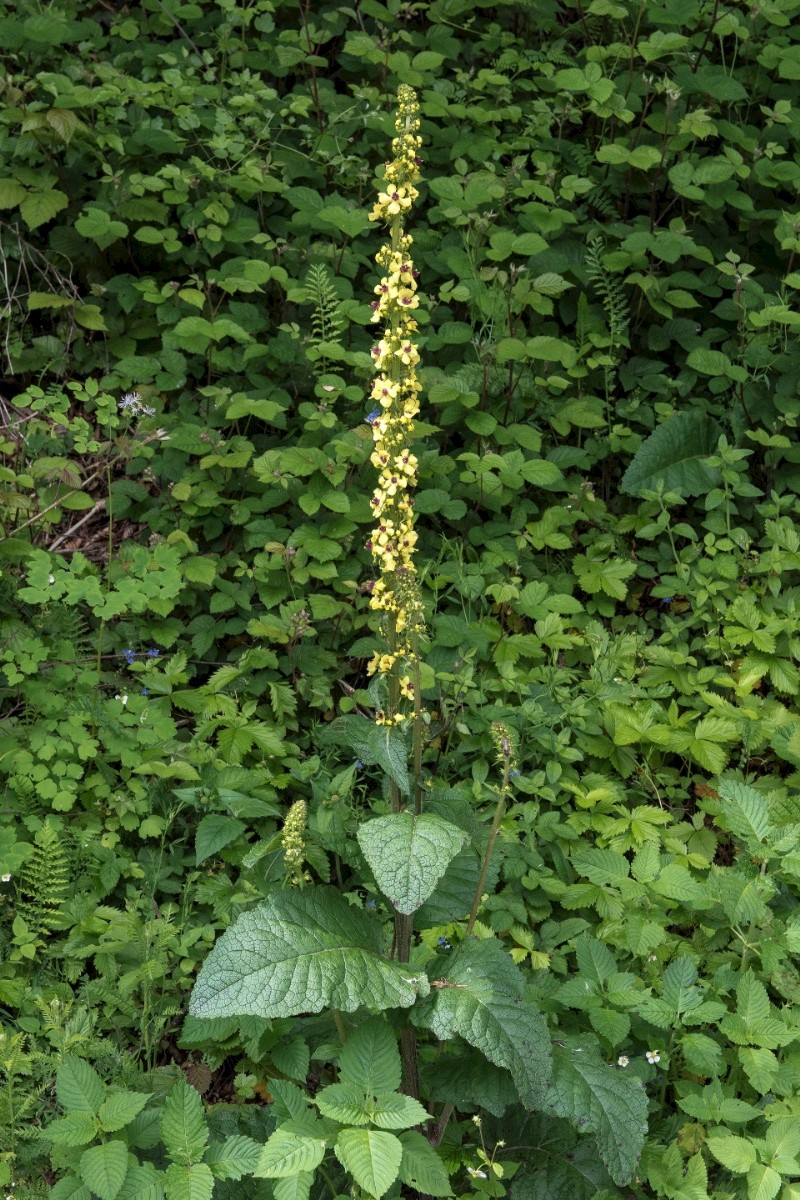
<point>418,728</point>
<point>498,816</point>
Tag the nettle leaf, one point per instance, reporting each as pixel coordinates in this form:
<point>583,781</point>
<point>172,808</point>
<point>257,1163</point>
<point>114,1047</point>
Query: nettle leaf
<point>103,1168</point>
<point>373,1158</point>
<point>143,1182</point>
<point>119,1109</point>
<point>183,1124</point>
<point>75,1129</point>
<point>294,1187</point>
<point>347,1105</point>
<point>188,1181</point>
<point>371,743</point>
<point>301,952</point>
<point>673,455</point>
<point>387,1110</point>
<point>601,1100</point>
<point>409,854</point>
<point>238,1155</point>
<point>480,1000</point>
<point>370,1060</point>
<point>297,1145</point>
<point>421,1168</point>
<point>71,1188</point>
<point>78,1086</point>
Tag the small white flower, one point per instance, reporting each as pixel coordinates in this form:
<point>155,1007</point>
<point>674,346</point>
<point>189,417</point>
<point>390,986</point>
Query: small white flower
<point>123,699</point>
<point>51,578</point>
<point>476,1173</point>
<point>6,878</point>
<point>652,958</point>
<point>623,1060</point>
<point>653,1057</point>
<point>132,403</point>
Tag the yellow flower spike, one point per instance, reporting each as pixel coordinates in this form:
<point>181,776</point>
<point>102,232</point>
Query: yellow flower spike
<point>395,389</point>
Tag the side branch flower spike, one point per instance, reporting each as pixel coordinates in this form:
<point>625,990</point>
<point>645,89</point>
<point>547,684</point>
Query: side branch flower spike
<point>396,389</point>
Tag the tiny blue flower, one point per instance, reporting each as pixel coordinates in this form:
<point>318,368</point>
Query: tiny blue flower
<point>668,600</point>
<point>443,942</point>
<point>373,416</point>
<point>370,904</point>
<point>145,691</point>
<point>129,655</point>
<point>359,764</point>
<point>153,653</point>
<point>513,773</point>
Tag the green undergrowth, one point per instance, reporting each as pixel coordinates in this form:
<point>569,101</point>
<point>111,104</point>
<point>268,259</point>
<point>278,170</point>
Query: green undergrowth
<point>607,508</point>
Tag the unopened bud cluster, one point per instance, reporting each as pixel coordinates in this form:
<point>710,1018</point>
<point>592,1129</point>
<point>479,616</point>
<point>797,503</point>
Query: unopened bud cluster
<point>294,846</point>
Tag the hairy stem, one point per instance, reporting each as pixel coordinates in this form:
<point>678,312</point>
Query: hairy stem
<point>498,816</point>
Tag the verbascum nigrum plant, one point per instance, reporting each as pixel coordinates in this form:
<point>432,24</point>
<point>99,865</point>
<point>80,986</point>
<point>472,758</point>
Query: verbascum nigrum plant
<point>396,389</point>
<point>424,1016</point>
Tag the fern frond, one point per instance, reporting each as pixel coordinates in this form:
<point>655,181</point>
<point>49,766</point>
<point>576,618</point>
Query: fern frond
<point>326,323</point>
<point>610,290</point>
<point>44,879</point>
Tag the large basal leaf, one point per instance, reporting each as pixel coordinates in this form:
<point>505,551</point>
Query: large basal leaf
<point>673,455</point>
<point>556,1163</point>
<point>373,1158</point>
<point>371,743</point>
<point>409,854</point>
<point>103,1168</point>
<point>602,1100</point>
<point>301,952</point>
<point>183,1124</point>
<point>480,1000</point>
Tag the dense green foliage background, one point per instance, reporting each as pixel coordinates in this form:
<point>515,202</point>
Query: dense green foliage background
<point>607,238</point>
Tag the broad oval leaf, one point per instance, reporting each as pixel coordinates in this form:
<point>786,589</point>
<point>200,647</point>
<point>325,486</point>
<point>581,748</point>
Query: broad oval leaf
<point>409,854</point>
<point>673,454</point>
<point>602,1100</point>
<point>301,952</point>
<point>480,1000</point>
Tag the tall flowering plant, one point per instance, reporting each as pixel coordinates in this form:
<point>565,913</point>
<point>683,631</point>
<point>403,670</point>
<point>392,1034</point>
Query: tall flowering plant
<point>396,389</point>
<point>432,998</point>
